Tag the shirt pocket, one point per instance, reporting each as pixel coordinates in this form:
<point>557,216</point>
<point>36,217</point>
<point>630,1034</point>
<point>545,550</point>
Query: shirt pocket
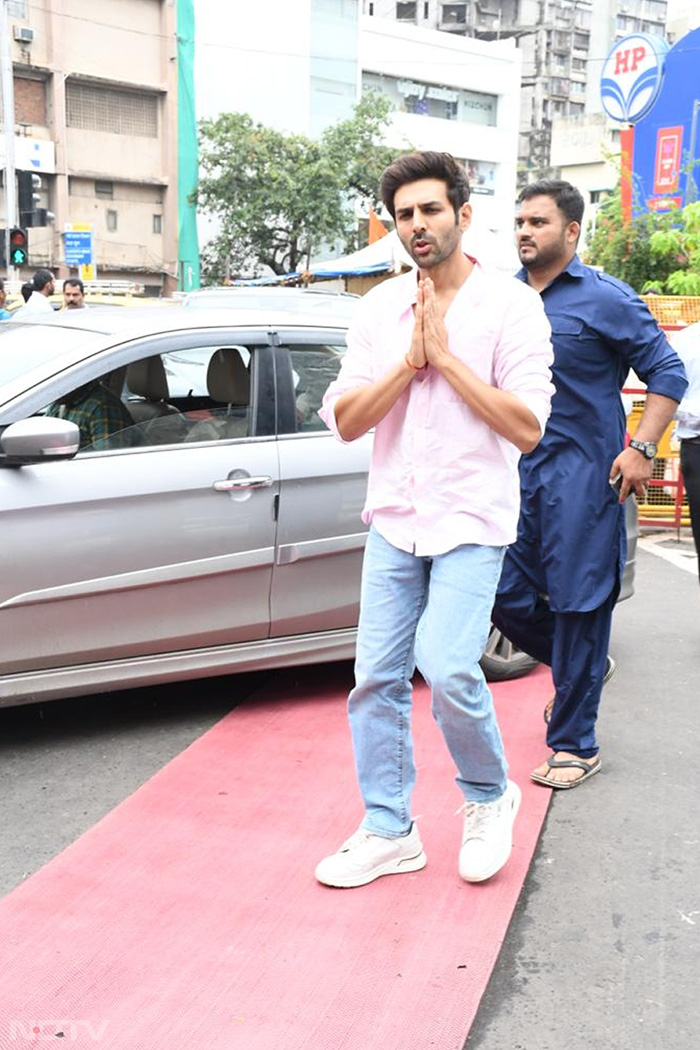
<point>566,325</point>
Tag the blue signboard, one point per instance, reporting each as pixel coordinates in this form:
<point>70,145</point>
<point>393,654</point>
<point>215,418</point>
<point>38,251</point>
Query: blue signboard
<point>78,247</point>
<point>666,157</point>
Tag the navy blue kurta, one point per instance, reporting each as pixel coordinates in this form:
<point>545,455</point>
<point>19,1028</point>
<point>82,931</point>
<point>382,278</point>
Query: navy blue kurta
<point>571,532</point>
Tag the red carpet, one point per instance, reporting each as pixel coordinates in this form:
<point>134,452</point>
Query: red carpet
<point>189,918</point>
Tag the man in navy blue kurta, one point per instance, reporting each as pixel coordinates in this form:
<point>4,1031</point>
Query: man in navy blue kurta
<point>562,576</point>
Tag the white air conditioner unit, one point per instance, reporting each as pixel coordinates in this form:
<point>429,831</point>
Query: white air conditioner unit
<point>23,34</point>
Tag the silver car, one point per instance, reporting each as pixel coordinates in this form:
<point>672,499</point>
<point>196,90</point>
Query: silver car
<point>198,519</point>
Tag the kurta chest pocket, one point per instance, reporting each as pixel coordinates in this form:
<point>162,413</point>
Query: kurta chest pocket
<point>576,345</point>
<point>566,325</point>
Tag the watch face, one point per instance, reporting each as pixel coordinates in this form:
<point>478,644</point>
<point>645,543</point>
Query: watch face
<point>647,448</point>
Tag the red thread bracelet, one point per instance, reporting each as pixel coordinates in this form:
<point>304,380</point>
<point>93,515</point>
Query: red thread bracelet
<point>416,368</point>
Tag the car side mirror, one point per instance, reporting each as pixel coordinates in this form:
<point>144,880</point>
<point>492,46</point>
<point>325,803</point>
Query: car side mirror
<point>38,439</point>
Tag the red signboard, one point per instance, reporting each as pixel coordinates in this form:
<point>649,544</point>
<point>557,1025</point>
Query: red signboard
<point>668,159</point>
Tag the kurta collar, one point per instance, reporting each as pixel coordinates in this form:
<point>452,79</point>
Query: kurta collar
<point>574,270</point>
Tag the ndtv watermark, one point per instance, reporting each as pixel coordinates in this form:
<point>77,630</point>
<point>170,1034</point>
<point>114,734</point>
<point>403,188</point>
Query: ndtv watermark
<point>63,1028</point>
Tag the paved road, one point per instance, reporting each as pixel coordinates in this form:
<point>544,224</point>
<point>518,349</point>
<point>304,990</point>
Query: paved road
<point>65,764</point>
<point>604,949</point>
<point>605,944</point>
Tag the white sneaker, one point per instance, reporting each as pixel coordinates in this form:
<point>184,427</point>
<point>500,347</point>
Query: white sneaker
<point>487,838</point>
<point>364,857</point>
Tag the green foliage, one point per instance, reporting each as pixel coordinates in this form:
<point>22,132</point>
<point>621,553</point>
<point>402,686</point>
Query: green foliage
<point>278,197</point>
<point>624,249</point>
<point>658,252</point>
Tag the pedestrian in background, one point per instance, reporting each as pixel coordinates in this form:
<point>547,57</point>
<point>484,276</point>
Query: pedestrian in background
<point>73,294</point>
<point>450,365</point>
<point>4,314</point>
<point>562,577</point>
<point>687,345</point>
<point>38,302</point>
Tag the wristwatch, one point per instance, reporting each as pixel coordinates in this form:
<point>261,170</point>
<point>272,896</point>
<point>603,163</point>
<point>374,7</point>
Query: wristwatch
<point>647,448</point>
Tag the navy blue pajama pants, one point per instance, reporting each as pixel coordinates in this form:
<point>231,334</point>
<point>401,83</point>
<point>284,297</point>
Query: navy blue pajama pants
<point>573,644</point>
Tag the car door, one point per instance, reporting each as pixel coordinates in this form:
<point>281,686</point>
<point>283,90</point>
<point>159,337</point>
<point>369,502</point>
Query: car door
<point>321,537</point>
<point>153,541</point>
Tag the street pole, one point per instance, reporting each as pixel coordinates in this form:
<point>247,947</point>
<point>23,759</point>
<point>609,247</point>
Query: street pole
<point>8,119</point>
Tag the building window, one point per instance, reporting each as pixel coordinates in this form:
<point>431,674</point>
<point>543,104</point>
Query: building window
<point>17,8</point>
<point>104,189</point>
<point>406,11</point>
<point>111,217</point>
<point>581,41</point>
<point>108,109</point>
<point>426,9</point>
<point>482,176</point>
<point>454,14</point>
<point>434,100</point>
<point>654,9</point>
<point>559,86</point>
<point>30,101</point>
<point>157,223</point>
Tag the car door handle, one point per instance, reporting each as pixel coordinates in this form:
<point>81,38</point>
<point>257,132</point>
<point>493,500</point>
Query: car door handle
<point>236,484</point>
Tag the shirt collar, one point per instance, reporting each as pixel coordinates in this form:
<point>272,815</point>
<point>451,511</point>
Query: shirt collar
<point>473,281</point>
<point>574,269</point>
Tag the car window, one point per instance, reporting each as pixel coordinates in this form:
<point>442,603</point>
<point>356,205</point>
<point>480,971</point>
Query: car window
<point>177,397</point>
<point>187,370</point>
<point>314,367</point>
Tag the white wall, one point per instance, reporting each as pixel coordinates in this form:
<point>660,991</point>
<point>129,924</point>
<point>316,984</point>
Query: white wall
<point>255,59</point>
<point>439,58</point>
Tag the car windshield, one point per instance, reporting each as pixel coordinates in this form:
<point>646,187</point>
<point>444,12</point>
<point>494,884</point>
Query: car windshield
<point>24,347</point>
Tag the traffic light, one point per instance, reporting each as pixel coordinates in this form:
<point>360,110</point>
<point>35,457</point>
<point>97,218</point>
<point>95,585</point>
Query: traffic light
<point>28,196</point>
<point>19,248</point>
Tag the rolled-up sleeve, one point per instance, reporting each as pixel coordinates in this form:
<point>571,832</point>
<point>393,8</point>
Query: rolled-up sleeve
<point>524,356</point>
<point>627,323</point>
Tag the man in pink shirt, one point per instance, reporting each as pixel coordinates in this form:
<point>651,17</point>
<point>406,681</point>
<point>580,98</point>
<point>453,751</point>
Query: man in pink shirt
<point>450,366</point>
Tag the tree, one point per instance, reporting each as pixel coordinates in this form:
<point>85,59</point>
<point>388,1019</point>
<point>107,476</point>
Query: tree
<point>279,197</point>
<point>678,248</point>
<point>658,252</point>
<point>623,249</point>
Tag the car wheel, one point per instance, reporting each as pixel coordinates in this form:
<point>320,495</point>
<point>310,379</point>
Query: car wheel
<point>502,660</point>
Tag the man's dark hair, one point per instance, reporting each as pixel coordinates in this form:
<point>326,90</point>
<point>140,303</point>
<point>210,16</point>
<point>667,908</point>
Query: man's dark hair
<point>566,197</point>
<point>41,278</point>
<point>425,165</point>
<point>26,291</point>
<point>74,282</point>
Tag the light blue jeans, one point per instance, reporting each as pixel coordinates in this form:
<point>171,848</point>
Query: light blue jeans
<point>433,612</point>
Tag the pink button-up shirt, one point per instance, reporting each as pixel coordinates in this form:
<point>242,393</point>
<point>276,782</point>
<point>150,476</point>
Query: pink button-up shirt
<point>440,476</point>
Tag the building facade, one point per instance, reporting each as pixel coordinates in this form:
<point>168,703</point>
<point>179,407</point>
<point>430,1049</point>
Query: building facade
<point>316,57</point>
<point>452,94</point>
<point>95,116</point>
<point>563,45</point>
